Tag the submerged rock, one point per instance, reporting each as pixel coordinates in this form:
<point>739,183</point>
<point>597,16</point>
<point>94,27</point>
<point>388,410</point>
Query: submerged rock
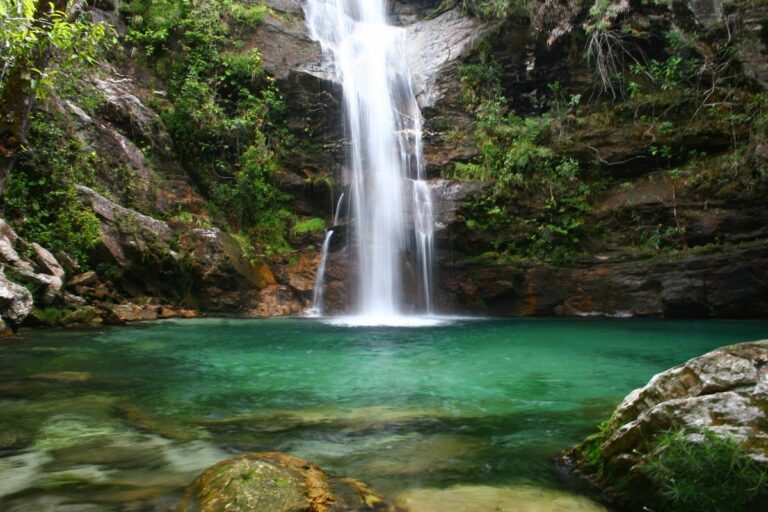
<point>276,482</point>
<point>485,498</point>
<point>722,393</point>
<point>63,377</point>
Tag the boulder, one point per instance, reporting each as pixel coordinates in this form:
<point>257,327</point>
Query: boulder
<point>15,302</point>
<point>47,261</point>
<point>123,313</point>
<point>723,392</point>
<point>136,247</point>
<point>222,277</point>
<point>276,482</point>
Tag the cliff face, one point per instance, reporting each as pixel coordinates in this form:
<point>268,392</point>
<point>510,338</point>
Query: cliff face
<point>557,193</point>
<point>664,216</point>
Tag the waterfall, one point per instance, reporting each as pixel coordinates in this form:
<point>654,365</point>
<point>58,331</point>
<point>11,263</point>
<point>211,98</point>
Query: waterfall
<point>339,204</point>
<point>385,158</point>
<point>317,292</point>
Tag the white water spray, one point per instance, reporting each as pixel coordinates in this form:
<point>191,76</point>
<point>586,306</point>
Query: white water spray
<point>383,123</point>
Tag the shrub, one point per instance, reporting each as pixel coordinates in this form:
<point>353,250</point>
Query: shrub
<point>692,472</point>
<point>40,194</point>
<point>308,226</point>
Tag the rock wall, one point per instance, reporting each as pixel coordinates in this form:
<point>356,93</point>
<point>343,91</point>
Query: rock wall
<point>718,271</point>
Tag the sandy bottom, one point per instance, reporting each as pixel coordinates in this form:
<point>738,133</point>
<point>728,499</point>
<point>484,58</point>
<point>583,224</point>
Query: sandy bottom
<point>482,498</point>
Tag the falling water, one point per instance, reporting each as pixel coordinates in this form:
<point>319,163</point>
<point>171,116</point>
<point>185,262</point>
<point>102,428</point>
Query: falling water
<point>339,204</point>
<point>383,122</point>
<point>317,293</point>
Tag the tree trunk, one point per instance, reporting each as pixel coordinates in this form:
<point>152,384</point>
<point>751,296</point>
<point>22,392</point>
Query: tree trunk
<point>18,96</point>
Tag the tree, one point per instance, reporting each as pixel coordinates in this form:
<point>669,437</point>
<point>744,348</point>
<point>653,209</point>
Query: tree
<point>32,32</point>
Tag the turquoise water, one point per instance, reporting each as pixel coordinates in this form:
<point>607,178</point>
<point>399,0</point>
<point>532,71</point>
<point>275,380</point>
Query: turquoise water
<point>471,402</point>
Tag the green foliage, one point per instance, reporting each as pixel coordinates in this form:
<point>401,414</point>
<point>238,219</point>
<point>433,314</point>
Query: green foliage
<point>524,169</point>
<point>590,447</point>
<point>490,9</point>
<point>74,42</point>
<point>692,472</point>
<point>246,15</point>
<point>668,74</point>
<point>40,193</point>
<point>481,81</point>
<point>308,226</point>
<point>48,316</point>
<point>250,195</point>
<point>225,118</point>
<point>152,22</point>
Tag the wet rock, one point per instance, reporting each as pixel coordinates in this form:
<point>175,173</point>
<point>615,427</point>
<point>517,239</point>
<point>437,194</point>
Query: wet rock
<point>141,419</point>
<point>437,47</point>
<point>276,482</point>
<point>724,391</point>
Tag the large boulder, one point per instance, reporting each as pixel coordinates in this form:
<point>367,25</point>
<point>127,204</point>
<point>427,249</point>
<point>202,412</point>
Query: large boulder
<point>15,303</point>
<point>276,482</point>
<point>29,273</point>
<point>223,279</point>
<point>723,393</point>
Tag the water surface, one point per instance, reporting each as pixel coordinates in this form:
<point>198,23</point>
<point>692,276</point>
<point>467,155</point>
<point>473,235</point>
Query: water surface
<point>119,419</point>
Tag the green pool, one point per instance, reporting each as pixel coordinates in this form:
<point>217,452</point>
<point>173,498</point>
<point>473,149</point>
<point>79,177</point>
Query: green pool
<point>467,412</point>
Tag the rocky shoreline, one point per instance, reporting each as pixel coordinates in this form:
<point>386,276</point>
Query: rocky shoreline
<point>713,410</point>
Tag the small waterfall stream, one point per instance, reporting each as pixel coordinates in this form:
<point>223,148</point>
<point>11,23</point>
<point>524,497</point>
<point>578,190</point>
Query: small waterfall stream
<point>317,293</point>
<point>385,159</point>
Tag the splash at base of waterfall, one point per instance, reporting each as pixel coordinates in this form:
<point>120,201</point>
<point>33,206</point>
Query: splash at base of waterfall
<point>395,320</point>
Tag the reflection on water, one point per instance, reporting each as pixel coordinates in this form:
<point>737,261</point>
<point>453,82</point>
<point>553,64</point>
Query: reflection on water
<point>468,413</point>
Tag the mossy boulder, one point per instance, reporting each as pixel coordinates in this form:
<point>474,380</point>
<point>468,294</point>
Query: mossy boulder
<point>705,418</point>
<point>276,482</point>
